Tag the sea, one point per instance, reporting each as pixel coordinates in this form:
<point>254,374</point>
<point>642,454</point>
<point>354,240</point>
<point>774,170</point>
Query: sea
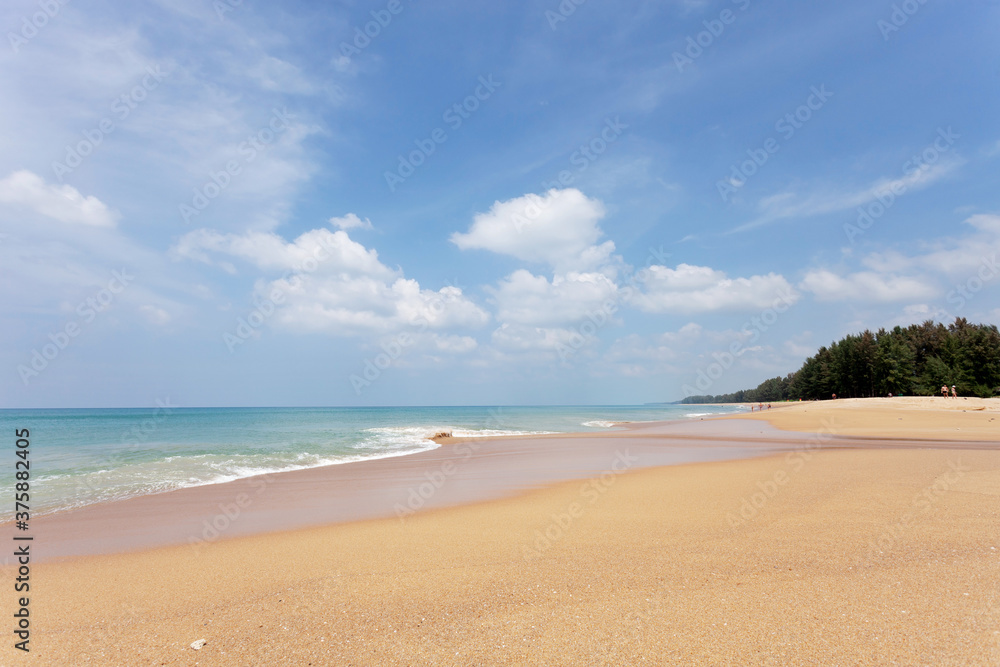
<point>80,457</point>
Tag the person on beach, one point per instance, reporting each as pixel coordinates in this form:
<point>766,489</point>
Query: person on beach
<point>954,394</point>
<point>944,391</point>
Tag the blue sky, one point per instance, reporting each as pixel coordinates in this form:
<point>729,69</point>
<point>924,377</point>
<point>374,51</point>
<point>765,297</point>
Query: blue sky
<point>248,203</point>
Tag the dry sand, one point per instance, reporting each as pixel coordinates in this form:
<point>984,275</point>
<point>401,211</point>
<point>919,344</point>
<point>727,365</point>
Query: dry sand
<point>911,417</point>
<point>810,557</point>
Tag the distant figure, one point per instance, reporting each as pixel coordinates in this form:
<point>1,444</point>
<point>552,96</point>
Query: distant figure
<point>768,406</point>
<point>954,393</point>
<point>944,391</point>
<point>834,397</point>
<point>890,394</point>
<point>751,407</point>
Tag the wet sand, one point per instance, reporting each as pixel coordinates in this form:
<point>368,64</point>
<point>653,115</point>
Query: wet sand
<point>456,473</point>
<point>832,550</point>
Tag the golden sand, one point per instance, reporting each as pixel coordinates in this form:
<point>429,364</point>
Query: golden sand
<point>913,417</point>
<point>706,564</point>
<point>811,557</point>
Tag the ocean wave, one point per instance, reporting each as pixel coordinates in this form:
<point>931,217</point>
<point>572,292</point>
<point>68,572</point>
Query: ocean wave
<point>410,434</point>
<point>73,491</point>
<point>600,424</point>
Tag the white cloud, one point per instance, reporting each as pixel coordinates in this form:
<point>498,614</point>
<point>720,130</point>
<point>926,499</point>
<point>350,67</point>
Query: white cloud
<point>335,285</point>
<point>523,338</point>
<point>454,344</point>
<point>58,202</point>
<point>954,258</point>
<point>351,221</point>
<point>559,229</point>
<point>331,252</point>
<point>985,223</point>
<point>349,306</point>
<point>277,75</point>
<point>865,286</point>
<point>695,289</point>
<point>524,298</point>
<point>787,205</point>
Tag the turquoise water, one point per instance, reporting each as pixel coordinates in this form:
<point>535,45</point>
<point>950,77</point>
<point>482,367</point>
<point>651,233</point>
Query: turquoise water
<point>80,457</point>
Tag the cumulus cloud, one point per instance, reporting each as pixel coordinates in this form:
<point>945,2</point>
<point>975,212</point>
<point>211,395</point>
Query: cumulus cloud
<point>58,202</point>
<point>330,251</point>
<point>332,284</point>
<point>559,229</point>
<point>695,289</point>
<point>524,298</point>
<point>524,338</point>
<point>342,305</point>
<point>865,286</point>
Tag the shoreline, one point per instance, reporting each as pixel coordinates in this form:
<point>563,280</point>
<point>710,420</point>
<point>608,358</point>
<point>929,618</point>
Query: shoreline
<point>460,470</point>
<point>834,565</point>
<point>617,547</point>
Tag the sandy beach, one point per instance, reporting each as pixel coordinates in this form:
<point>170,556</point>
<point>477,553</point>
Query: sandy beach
<point>911,417</point>
<point>870,543</point>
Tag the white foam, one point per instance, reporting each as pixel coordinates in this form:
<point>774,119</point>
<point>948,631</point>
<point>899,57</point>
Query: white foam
<point>179,471</point>
<point>599,424</point>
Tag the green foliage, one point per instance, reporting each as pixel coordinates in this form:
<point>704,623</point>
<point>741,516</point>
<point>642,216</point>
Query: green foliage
<point>916,360</point>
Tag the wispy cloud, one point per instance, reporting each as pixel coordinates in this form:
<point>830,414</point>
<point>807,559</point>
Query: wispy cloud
<point>786,205</point>
<point>58,202</point>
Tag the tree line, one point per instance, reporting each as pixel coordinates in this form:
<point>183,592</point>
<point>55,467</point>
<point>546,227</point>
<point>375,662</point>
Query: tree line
<point>915,361</point>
